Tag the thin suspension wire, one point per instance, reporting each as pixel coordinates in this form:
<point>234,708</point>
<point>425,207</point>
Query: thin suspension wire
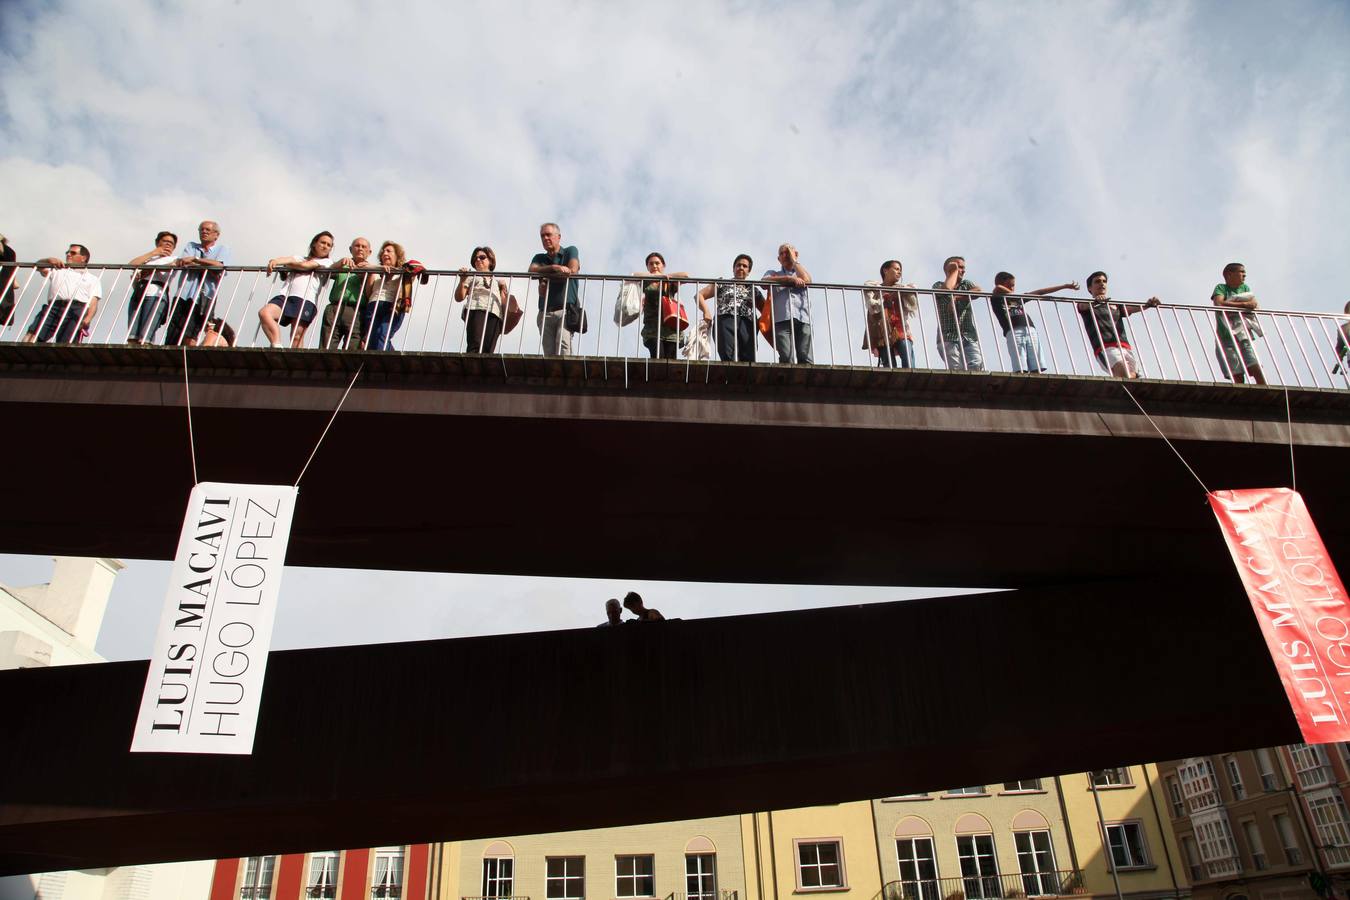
<point>1126,388</point>
<point>1289,420</point>
<point>330,424</point>
<point>192,442</point>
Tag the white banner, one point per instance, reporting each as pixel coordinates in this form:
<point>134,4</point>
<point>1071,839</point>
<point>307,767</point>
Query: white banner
<point>206,673</point>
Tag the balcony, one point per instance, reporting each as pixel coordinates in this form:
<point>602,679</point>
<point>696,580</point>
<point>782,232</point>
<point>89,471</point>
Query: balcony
<point>1060,883</point>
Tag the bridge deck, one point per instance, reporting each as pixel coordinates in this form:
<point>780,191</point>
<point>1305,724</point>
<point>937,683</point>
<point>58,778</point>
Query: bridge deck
<point>664,470</point>
<point>470,738</point>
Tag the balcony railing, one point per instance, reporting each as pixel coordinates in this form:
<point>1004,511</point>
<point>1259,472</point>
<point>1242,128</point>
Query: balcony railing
<point>1176,342</point>
<point>1058,883</point>
<point>684,895</point>
<point>260,892</point>
<point>511,897</point>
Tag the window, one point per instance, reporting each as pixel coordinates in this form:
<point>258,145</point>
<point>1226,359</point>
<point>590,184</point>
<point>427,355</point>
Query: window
<point>1026,784</point>
<point>1126,840</point>
<point>820,864</point>
<point>975,789</point>
<point>257,878</point>
<point>918,868</point>
<point>979,868</point>
<point>565,878</point>
<point>386,881</point>
<point>1293,854</point>
<point>498,876</point>
<point>1036,862</point>
<point>1111,777</point>
<point>1217,847</point>
<point>1174,794</point>
<point>1197,869</point>
<point>1310,763</point>
<point>1198,784</point>
<point>634,876</point>
<point>1328,814</point>
<point>323,874</point>
<point>700,876</point>
<point>1266,766</point>
<point>1234,777</point>
<point>1254,846</point>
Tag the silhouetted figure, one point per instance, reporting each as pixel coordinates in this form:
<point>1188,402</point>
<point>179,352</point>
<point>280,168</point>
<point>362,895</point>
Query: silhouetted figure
<point>613,613</point>
<point>633,603</point>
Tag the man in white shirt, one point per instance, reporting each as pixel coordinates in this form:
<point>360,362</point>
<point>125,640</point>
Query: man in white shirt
<point>72,298</point>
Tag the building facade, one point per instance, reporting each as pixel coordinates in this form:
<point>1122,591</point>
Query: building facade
<point>1263,824</point>
<point>378,873</point>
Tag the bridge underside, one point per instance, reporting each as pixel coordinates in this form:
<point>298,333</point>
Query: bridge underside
<point>703,472</point>
<point>386,744</point>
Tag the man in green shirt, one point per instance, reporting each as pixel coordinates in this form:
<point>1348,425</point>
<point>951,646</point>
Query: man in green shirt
<point>1236,325</point>
<point>341,325</point>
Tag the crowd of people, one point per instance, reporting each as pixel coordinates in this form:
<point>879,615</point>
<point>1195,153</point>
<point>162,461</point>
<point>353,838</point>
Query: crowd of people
<point>368,299</point>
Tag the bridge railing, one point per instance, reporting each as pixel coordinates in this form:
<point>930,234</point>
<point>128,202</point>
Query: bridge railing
<point>1186,342</point>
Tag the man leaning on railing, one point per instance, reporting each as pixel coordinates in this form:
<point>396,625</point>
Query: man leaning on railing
<point>72,299</point>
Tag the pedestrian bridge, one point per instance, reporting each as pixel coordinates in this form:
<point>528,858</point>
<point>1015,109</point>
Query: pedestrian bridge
<point>655,469</point>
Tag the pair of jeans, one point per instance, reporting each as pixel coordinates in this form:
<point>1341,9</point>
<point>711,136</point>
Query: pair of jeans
<point>736,338</point>
<point>789,335</point>
<point>381,323</point>
<point>481,331</point>
<point>145,317</point>
<point>899,355</point>
<point>58,319</point>
<point>1024,347</point>
<point>962,354</point>
<point>553,334</point>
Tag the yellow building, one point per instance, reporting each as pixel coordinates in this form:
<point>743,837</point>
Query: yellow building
<point>1038,837</point>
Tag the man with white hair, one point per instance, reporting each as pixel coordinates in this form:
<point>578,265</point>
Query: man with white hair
<point>204,260</point>
<point>791,307</point>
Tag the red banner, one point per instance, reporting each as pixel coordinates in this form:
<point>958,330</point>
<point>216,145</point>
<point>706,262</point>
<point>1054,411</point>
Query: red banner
<point>1299,600</point>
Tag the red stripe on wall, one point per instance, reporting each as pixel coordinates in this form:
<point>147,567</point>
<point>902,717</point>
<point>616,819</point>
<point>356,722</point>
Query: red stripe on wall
<point>290,877</point>
<point>355,866</point>
<point>225,878</point>
<point>419,861</point>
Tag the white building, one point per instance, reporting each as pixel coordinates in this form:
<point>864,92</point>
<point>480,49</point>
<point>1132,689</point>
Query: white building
<point>57,624</point>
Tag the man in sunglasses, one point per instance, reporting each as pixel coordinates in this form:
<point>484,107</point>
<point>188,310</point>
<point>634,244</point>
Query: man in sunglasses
<point>72,298</point>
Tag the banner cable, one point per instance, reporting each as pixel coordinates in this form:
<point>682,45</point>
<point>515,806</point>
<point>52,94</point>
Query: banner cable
<point>330,423</point>
<point>1164,437</point>
<point>1289,418</point>
<point>192,443</point>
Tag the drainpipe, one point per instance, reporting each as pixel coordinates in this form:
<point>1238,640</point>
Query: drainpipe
<point>1064,815</point>
<point>1162,832</point>
<point>1106,843</point>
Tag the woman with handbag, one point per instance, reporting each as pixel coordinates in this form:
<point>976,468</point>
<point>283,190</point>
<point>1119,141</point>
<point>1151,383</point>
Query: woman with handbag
<point>389,297</point>
<point>663,317</point>
<point>486,294</point>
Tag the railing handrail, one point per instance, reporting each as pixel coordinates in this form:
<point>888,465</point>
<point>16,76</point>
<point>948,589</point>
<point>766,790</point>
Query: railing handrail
<point>692,279</point>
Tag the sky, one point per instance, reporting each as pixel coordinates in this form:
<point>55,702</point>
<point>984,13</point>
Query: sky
<point>1157,141</point>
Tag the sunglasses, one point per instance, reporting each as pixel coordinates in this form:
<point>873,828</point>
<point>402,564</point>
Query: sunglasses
<point>478,256</point>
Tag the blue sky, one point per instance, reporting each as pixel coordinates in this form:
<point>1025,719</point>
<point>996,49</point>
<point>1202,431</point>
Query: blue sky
<point>1157,141</point>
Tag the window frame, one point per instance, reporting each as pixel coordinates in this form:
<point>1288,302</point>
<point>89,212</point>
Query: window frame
<point>700,874</point>
<point>1284,830</point>
<point>256,891</point>
<point>1038,875</point>
<point>565,878</point>
<point>496,877</point>
<point>389,890</point>
<point>924,888</point>
<point>323,887</point>
<point>1123,772</point>
<point>1039,788</point>
<point>1147,862</point>
<point>974,885</point>
<point>636,876</point>
<point>798,866</point>
<point>981,790</point>
<point>1234,773</point>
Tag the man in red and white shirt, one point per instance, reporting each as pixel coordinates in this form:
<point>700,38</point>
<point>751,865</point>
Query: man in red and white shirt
<point>72,298</point>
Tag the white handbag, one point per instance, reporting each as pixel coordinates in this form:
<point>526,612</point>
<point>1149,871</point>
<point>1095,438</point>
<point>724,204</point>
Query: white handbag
<point>697,345</point>
<point>628,305</point>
